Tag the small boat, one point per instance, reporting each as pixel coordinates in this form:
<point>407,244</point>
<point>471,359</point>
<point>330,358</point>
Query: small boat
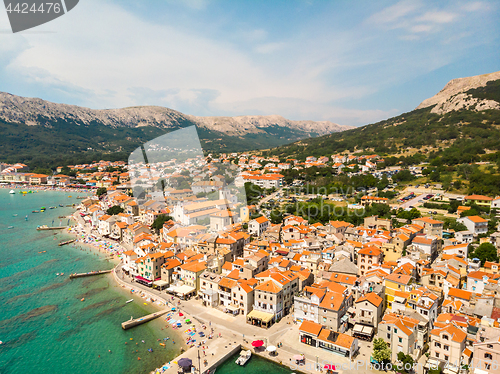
<point>129,301</point>
<point>12,192</point>
<point>244,357</point>
<point>42,252</point>
<point>52,207</point>
<point>61,205</point>
<point>35,211</point>
<point>70,196</point>
<point>10,227</point>
<point>57,274</point>
<point>14,215</point>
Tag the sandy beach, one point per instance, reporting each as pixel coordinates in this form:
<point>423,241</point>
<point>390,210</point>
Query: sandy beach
<point>44,188</point>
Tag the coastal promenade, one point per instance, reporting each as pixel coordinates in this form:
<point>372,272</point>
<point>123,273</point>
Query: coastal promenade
<point>235,331</point>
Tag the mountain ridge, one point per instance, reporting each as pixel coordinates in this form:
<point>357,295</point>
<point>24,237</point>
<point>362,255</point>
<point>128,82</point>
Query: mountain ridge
<point>31,111</point>
<point>455,96</point>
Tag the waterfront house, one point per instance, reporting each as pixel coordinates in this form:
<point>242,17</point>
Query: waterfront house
<point>323,306</point>
<point>191,271</point>
<point>368,311</point>
<point>400,332</point>
<point>447,345</point>
<point>315,335</point>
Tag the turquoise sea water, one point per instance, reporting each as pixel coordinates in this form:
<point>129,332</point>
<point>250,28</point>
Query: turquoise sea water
<point>256,365</point>
<point>44,326</point>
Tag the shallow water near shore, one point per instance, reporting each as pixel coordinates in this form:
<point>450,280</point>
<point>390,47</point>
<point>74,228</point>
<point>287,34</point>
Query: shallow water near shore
<point>44,326</point>
<point>256,365</point>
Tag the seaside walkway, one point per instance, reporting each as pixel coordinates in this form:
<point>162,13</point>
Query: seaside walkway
<point>139,321</point>
<point>236,333</point>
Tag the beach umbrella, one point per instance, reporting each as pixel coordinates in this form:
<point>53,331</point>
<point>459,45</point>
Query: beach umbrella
<point>271,348</point>
<point>257,343</point>
<point>181,314</point>
<point>185,362</point>
<point>179,324</point>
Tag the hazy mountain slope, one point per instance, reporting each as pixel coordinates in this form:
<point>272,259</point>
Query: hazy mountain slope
<point>37,130</point>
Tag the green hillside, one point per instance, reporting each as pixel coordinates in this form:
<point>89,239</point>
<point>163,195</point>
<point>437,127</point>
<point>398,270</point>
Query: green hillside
<point>457,136</point>
<point>62,142</point>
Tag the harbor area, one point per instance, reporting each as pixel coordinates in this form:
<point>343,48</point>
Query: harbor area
<point>211,355</point>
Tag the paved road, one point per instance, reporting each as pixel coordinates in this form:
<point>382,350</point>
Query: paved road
<point>413,202</point>
<point>269,197</point>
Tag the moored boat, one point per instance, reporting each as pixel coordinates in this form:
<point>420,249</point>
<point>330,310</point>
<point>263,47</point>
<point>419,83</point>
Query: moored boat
<point>12,192</point>
<point>244,357</point>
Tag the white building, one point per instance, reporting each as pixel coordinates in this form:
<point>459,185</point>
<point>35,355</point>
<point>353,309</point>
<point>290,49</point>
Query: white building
<point>464,236</point>
<point>258,225</point>
<point>475,224</point>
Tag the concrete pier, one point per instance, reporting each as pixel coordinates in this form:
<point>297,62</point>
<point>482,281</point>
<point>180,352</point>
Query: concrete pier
<point>51,228</point>
<point>139,321</point>
<point>81,275</point>
<point>66,242</point>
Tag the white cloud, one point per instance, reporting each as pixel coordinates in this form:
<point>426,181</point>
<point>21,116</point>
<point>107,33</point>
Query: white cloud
<point>392,15</point>
<point>437,17</point>
<point>269,47</point>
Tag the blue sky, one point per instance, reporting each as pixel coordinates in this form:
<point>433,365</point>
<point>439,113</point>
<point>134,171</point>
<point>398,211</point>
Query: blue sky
<point>352,63</point>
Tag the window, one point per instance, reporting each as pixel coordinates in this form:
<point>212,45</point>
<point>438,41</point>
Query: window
<point>489,356</point>
<point>446,347</point>
<point>388,336</point>
<point>487,366</point>
<point>437,344</point>
<point>445,337</point>
<point>400,340</point>
<point>446,358</point>
<point>437,354</point>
